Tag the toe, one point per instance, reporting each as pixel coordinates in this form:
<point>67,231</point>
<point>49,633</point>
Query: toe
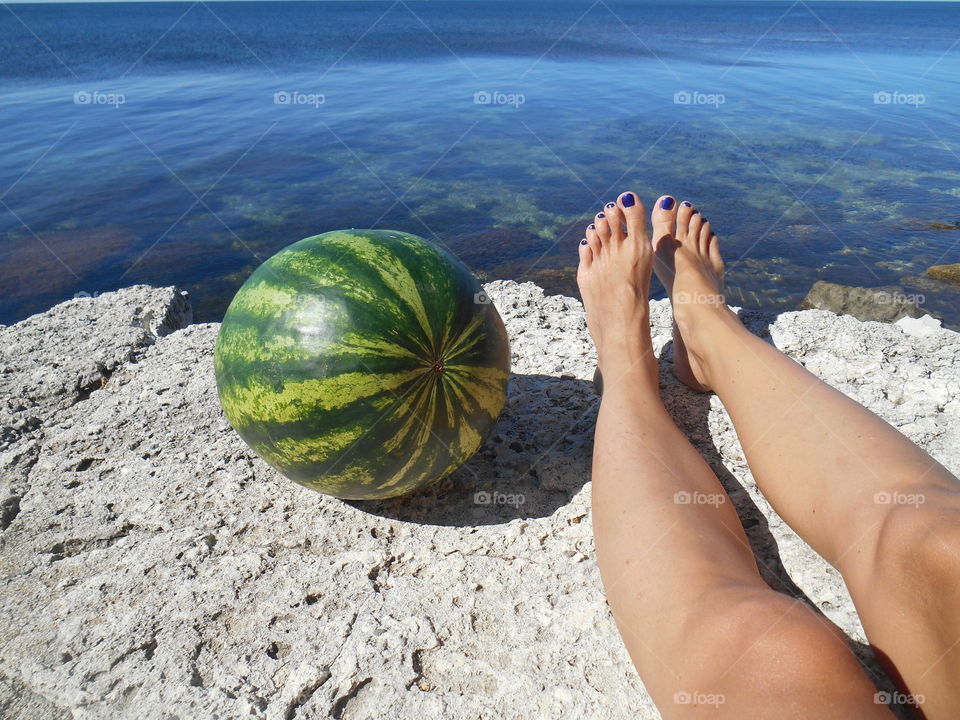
<point>602,227</point>
<point>705,234</point>
<point>694,226</point>
<point>684,213</point>
<point>614,220</point>
<point>593,240</point>
<point>664,217</point>
<point>633,214</point>
<point>586,254</point>
<point>714,253</point>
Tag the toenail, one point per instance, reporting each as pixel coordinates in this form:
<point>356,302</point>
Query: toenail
<point>583,242</point>
<point>610,205</point>
<point>686,204</point>
<point>628,200</point>
<point>591,226</point>
<point>696,212</point>
<point>666,203</point>
<point>600,215</point>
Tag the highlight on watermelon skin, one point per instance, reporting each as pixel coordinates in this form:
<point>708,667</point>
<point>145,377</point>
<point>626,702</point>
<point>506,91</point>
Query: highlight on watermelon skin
<point>364,364</point>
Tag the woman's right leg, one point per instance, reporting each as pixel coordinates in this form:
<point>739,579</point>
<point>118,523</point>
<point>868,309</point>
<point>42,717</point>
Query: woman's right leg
<point>876,506</point>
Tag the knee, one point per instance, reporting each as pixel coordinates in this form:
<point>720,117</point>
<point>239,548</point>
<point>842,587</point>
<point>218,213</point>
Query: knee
<point>761,629</point>
<point>765,650</point>
<point>920,539</point>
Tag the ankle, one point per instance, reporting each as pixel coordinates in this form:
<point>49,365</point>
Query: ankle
<point>705,332</point>
<point>635,366</point>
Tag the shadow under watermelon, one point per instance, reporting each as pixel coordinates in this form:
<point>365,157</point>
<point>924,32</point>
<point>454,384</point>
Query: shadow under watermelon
<point>534,461</point>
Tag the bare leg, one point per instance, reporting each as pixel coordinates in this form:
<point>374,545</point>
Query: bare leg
<point>705,633</point>
<point>866,498</point>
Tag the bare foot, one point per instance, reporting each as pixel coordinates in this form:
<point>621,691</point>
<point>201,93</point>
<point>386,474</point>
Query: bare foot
<point>614,278</point>
<point>688,263</point>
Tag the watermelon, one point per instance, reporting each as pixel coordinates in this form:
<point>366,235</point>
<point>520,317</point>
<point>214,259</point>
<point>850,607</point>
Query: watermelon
<point>364,364</point>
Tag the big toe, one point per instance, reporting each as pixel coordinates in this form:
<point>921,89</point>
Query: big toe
<point>634,215</point>
<point>664,218</point>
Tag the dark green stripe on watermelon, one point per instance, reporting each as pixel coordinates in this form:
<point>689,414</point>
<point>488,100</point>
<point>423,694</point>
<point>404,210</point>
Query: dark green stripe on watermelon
<point>358,364</point>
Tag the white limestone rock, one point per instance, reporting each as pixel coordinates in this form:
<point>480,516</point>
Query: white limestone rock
<point>155,568</point>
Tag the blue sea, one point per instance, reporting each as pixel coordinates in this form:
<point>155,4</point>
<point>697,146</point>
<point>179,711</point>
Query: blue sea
<point>184,143</point>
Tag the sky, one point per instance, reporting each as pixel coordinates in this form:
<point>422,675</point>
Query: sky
<point>29,2</point>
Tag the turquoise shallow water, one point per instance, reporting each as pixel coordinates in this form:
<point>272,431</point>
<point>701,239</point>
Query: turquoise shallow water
<point>821,139</point>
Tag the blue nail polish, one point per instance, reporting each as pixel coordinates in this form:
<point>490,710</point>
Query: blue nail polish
<point>686,204</point>
<point>696,212</point>
<point>628,200</point>
<point>583,242</point>
<point>610,205</point>
<point>591,226</point>
<point>601,215</point>
<point>666,203</point>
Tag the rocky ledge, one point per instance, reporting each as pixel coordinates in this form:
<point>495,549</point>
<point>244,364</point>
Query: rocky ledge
<point>154,568</point>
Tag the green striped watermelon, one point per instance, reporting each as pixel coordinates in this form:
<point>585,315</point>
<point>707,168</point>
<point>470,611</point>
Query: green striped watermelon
<point>362,363</point>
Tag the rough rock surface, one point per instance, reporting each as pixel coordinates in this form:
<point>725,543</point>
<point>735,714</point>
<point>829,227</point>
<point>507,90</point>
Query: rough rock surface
<point>52,361</point>
<point>154,568</point>
<point>885,304</point>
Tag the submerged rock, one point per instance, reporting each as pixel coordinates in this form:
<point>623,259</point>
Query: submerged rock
<point>154,568</point>
<point>885,304</point>
<point>946,273</point>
